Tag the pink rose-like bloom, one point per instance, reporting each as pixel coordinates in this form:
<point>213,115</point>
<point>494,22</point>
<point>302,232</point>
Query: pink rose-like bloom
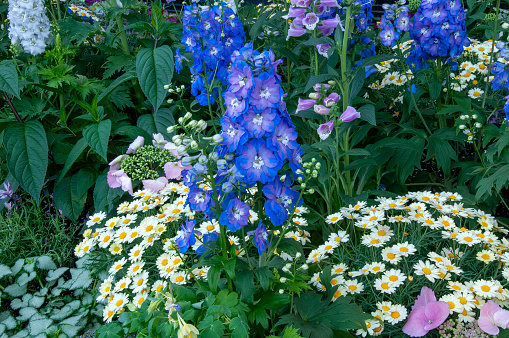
<point>350,114</point>
<point>331,99</point>
<point>322,49</point>
<point>492,317</point>
<point>320,109</point>
<point>137,144</point>
<point>155,185</point>
<point>427,314</point>
<point>325,130</point>
<point>305,104</point>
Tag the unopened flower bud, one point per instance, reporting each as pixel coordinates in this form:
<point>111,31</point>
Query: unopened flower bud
<point>299,172</point>
<point>202,159</point>
<point>478,125</point>
<point>311,191</point>
<point>229,156</point>
<point>505,25</point>
<point>314,96</point>
<point>304,267</point>
<point>410,278</point>
<point>318,165</point>
<point>186,161</point>
<point>192,124</point>
<point>331,82</point>
<point>187,116</point>
<point>169,101</point>
<point>170,90</point>
<point>166,86</point>
<point>171,129</point>
<point>303,185</point>
<point>178,142</point>
<point>202,125</point>
<point>462,126</point>
<point>462,117</point>
<point>217,138</point>
<point>214,157</point>
<point>281,291</point>
<point>474,116</point>
<point>222,164</point>
<point>194,145</point>
<point>180,120</point>
<point>470,138</point>
<point>283,280</point>
<point>298,254</point>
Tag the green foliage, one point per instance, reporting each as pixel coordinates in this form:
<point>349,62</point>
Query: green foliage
<point>54,307</point>
<point>9,78</point>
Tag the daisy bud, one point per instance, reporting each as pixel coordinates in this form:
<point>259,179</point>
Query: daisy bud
<point>298,255</point>
<point>478,125</point>
<point>474,116</point>
<point>462,126</point>
<point>281,291</point>
<point>410,278</point>
<point>283,280</point>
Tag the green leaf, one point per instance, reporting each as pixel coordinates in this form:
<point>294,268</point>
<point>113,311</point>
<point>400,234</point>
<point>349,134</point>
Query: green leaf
<point>36,301</point>
<point>76,151</point>
<point>257,26</point>
<point>158,122</point>
<point>264,276</point>
<point>9,78</point>
<point>131,75</point>
<point>104,195</point>
<point>24,278</point>
<point>97,136</point>
<point>368,113</point>
<point>4,271</point>
<point>442,150</point>
<point>80,279</point>
<point>38,325</point>
<point>290,332</point>
<point>239,327</point>
<point>154,67</point>
<point>273,300</point>
<point>45,263</point>
<point>26,313</point>
<point>55,274</point>
<point>157,17</point>
<point>244,281</point>
<point>111,330</point>
<point>71,193</point>
<point>27,155</point>
<point>356,84</point>
<point>210,328</point>
<point>213,276</point>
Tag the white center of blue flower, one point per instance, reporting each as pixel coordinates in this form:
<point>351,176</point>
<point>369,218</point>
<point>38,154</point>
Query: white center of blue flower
<point>228,42</point>
<point>235,102</point>
<point>242,80</point>
<point>189,41</point>
<point>424,30</point>
<point>258,119</point>
<point>258,162</point>
<point>213,51</point>
<point>199,198</point>
<point>283,139</point>
<point>264,93</point>
<point>232,132</point>
<point>206,25</point>
<point>237,213</point>
<point>436,13</point>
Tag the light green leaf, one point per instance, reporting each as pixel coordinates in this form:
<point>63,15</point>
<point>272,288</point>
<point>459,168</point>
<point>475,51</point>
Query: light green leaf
<point>17,304</point>
<point>36,301</point>
<point>154,67</point>
<point>26,313</point>
<point>80,279</point>
<point>97,136</point>
<point>29,267</point>
<point>9,78</point>
<point>70,330</point>
<point>25,278</point>
<point>17,266</point>
<point>45,263</point>
<point>71,193</point>
<point>4,270</point>
<point>21,334</point>
<point>8,321</point>
<point>16,290</point>
<point>3,328</point>
<point>55,274</point>
<point>27,155</point>
<point>39,325</point>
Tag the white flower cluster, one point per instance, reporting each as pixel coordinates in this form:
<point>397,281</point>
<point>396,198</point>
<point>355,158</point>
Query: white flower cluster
<point>28,25</point>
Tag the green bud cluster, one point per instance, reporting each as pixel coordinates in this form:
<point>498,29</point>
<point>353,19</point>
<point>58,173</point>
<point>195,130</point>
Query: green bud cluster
<point>386,50</point>
<point>413,5</point>
<point>490,17</point>
<point>145,163</point>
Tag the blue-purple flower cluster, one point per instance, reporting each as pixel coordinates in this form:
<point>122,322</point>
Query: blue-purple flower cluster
<point>394,22</point>
<point>212,35</point>
<point>501,75</point>
<point>438,30</point>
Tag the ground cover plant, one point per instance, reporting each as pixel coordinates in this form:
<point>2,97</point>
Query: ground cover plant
<point>297,169</point>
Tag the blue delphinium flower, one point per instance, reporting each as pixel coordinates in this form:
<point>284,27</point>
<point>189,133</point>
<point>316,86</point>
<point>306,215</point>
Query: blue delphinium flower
<point>212,35</point>
<point>260,238</point>
<point>280,199</point>
<point>186,238</point>
<point>257,162</point>
<point>198,199</point>
<point>236,215</point>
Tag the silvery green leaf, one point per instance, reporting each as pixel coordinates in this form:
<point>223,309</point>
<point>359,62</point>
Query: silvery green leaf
<point>29,267</point>
<point>25,314</point>
<point>21,334</point>
<point>66,311</point>
<point>56,291</point>
<point>17,304</point>
<point>36,301</point>
<point>55,274</point>
<point>4,336</point>
<point>41,335</point>
<point>26,298</point>
<point>25,278</point>
<point>98,311</point>
<point>2,329</point>
<point>17,266</point>
<point>39,325</point>
<point>16,290</point>
<point>80,279</point>
<point>8,320</point>
<point>87,299</point>
<point>4,270</point>
<point>70,330</point>
<point>82,261</point>
<point>78,292</point>
<point>42,292</point>
<point>45,263</point>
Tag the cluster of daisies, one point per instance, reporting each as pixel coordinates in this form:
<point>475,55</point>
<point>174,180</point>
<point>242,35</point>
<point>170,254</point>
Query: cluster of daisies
<point>129,238</point>
<point>405,243</point>
<point>468,75</point>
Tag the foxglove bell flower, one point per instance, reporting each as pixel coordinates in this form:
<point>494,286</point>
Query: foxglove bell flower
<point>324,130</point>
<point>349,114</point>
<point>305,104</point>
<point>310,21</point>
<point>322,49</point>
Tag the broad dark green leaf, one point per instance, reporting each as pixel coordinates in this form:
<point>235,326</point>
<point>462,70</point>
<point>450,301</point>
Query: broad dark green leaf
<point>97,136</point>
<point>264,276</point>
<point>117,82</point>
<point>239,328</point>
<point>71,193</point>
<point>27,155</point>
<point>104,195</point>
<point>368,113</point>
<point>356,84</point>
<point>158,122</point>
<point>9,78</point>
<point>76,151</point>
<point>154,67</point>
<point>257,26</point>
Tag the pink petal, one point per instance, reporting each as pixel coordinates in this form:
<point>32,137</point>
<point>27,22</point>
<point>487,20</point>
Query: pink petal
<point>437,313</point>
<point>173,170</point>
<point>155,185</point>
<point>414,327</point>
<point>127,184</point>
<point>113,178</point>
<point>172,148</point>
<point>427,295</point>
<point>501,318</point>
<point>489,309</point>
<point>487,326</point>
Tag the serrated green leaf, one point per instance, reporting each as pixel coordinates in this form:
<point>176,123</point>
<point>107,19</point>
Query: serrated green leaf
<point>18,266</point>
<point>368,113</point>
<point>55,274</point>
<point>8,320</point>
<point>239,327</point>
<point>71,193</point>
<point>26,313</point>
<point>36,301</point>
<point>39,325</point>
<point>97,136</point>
<point>131,75</point>
<point>9,78</point>
<point>80,279</point>
<point>5,270</point>
<point>154,67</point>
<point>3,328</point>
<point>70,330</point>
<point>17,304</point>
<point>27,155</point>
<point>158,122</point>
<point>45,263</point>
<point>264,276</point>
<point>24,278</point>
<point>15,290</point>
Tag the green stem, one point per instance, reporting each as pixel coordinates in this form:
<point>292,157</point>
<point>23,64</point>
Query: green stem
<point>419,112</point>
<point>491,54</point>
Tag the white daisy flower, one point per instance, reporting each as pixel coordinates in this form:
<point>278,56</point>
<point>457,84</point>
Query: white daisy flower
<point>96,218</point>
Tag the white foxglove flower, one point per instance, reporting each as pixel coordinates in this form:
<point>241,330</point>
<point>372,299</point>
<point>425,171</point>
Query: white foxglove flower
<point>28,25</point>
